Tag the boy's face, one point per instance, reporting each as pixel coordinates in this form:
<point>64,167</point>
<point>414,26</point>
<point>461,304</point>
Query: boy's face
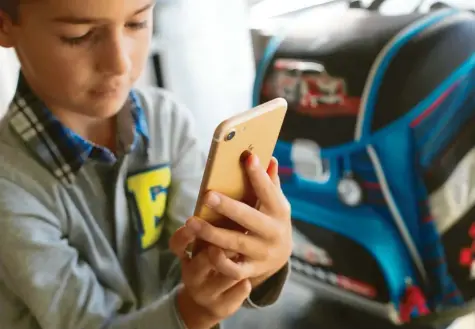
<point>82,56</point>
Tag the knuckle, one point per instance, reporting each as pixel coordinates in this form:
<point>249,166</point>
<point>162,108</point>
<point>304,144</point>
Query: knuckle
<point>239,275</point>
<point>221,206</point>
<point>208,300</point>
<point>265,253</point>
<point>220,265</point>
<point>230,254</point>
<point>224,205</point>
<point>235,273</point>
<point>213,296</point>
<point>224,268</point>
<point>240,242</point>
<point>286,207</point>
<point>247,288</point>
<point>280,233</point>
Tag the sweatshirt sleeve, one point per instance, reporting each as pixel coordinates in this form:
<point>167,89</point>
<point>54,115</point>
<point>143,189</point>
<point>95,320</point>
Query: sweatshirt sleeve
<point>57,286</point>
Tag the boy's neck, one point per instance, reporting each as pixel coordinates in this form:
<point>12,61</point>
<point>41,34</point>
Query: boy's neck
<point>101,132</point>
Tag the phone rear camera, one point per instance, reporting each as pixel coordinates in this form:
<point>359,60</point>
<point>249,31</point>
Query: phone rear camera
<point>230,136</point>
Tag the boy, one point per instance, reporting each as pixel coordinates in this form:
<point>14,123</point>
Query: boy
<point>95,178</point>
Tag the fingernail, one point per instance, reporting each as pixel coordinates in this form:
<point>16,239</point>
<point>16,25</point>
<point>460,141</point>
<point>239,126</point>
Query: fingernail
<point>212,199</point>
<point>273,165</point>
<point>194,224</point>
<point>253,161</point>
<point>245,156</point>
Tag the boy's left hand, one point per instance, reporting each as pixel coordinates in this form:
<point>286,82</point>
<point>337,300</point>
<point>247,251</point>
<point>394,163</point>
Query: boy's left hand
<point>267,245</point>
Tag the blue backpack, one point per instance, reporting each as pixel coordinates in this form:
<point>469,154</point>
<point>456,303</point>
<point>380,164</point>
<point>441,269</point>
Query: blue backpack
<point>377,158</point>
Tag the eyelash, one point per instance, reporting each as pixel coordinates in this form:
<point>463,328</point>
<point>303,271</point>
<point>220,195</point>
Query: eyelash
<point>82,39</point>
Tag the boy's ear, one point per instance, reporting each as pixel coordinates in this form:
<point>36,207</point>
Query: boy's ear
<point>6,24</point>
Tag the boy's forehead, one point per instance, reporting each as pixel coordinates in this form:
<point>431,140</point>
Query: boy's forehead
<point>96,9</point>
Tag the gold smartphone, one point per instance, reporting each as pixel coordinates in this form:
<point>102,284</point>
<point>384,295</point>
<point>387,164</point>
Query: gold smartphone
<point>255,131</point>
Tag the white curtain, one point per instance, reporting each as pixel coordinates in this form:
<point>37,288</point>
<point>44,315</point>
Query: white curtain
<point>207,57</point>
<point>9,69</point>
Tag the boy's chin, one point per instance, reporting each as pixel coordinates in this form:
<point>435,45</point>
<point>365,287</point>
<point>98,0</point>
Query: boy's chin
<point>106,107</point>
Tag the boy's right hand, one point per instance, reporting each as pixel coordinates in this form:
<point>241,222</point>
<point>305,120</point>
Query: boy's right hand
<point>207,297</point>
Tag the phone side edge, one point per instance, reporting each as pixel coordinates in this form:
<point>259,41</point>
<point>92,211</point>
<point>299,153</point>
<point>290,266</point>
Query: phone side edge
<point>206,177</point>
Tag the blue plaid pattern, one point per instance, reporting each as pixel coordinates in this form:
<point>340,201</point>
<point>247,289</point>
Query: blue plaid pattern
<point>61,149</point>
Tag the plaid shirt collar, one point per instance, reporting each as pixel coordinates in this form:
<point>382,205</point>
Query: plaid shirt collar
<point>62,150</point>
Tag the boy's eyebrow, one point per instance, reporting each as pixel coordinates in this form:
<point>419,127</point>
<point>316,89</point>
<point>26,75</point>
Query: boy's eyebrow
<point>90,20</point>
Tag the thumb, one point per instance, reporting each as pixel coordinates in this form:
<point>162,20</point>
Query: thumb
<point>180,240</point>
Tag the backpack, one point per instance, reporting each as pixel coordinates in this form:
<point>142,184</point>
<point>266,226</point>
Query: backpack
<point>377,158</point>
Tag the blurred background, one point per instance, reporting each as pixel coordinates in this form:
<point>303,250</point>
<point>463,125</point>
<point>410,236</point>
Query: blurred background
<point>208,53</point>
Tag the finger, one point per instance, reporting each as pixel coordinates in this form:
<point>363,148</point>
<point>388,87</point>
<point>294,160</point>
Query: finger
<point>234,256</point>
<point>195,271</point>
<point>240,213</point>
<point>231,301</point>
<point>180,240</point>
<point>236,269</point>
<point>264,188</point>
<point>273,172</point>
<point>214,287</point>
<point>234,241</point>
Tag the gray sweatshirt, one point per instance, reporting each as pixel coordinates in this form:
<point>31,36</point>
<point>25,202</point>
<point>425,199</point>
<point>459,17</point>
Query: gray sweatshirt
<point>85,246</point>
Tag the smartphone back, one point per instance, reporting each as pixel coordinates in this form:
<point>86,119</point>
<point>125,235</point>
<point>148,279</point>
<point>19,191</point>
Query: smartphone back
<point>255,131</point>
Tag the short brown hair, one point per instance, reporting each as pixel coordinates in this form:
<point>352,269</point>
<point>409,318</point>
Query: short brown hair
<point>9,7</point>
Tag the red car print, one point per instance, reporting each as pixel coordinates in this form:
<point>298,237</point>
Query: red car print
<point>310,89</point>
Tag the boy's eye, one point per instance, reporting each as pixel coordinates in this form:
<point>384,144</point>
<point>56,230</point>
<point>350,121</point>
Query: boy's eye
<point>84,38</point>
<point>137,25</point>
<point>76,40</point>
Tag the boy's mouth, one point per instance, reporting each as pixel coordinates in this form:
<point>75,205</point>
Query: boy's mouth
<point>106,91</point>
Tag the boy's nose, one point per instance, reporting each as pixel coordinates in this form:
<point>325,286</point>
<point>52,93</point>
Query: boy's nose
<point>115,57</point>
